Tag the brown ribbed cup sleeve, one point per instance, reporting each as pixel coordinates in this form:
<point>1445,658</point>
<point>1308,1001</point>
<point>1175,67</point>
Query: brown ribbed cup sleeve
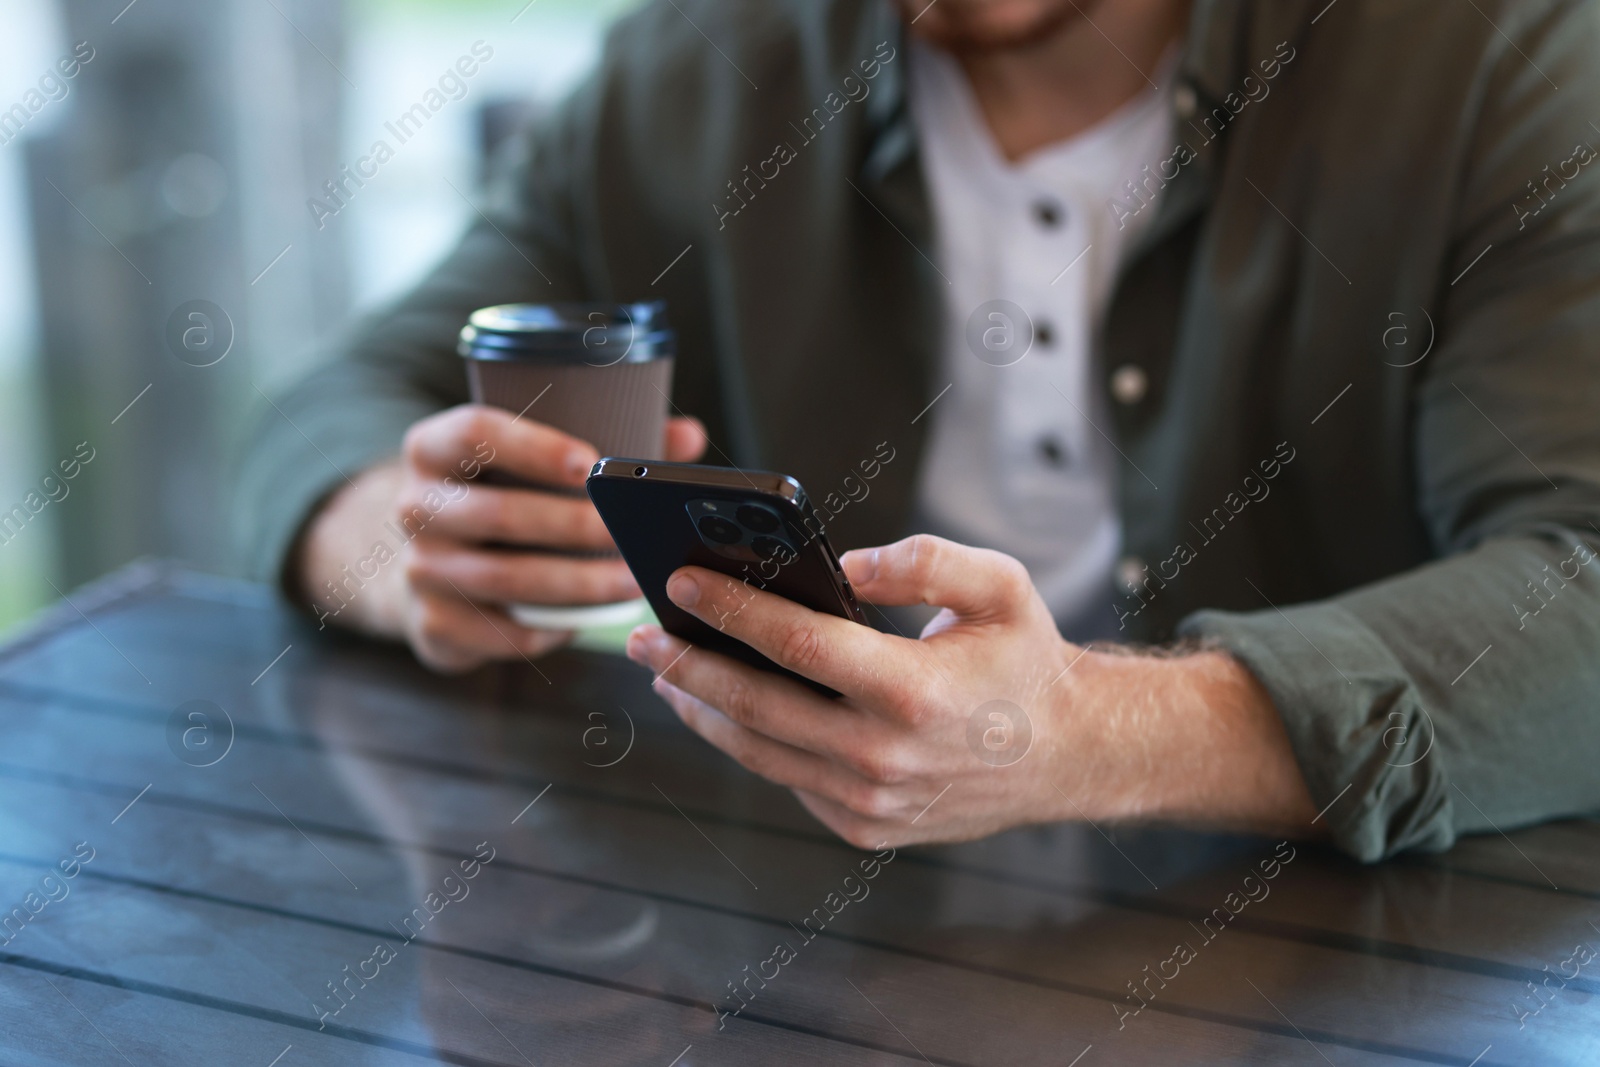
<point>620,409</point>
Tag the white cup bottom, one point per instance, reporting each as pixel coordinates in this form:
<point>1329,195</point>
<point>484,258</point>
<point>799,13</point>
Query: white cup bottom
<point>577,616</point>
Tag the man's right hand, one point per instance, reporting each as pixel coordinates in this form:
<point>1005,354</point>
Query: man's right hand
<point>436,581</point>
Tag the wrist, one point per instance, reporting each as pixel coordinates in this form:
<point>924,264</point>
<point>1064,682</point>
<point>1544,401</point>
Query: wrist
<point>337,539</point>
<point>1192,739</point>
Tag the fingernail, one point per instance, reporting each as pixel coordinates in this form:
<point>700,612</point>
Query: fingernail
<point>860,566</point>
<point>646,643</point>
<point>683,590</point>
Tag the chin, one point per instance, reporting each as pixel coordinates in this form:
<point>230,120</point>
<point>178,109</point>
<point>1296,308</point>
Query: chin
<point>981,25</point>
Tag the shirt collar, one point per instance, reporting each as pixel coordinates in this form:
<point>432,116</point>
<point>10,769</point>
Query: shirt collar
<point>891,133</point>
<point>1226,36</point>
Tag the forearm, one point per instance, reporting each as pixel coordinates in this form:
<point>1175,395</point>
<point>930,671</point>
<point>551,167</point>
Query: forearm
<point>1191,739</point>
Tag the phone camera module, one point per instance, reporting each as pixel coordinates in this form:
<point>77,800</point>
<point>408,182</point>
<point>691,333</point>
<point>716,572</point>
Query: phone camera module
<point>773,548</point>
<point>721,530</point>
<point>758,519</point>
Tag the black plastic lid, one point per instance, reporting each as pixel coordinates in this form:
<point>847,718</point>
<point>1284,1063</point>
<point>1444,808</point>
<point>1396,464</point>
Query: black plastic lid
<point>597,334</point>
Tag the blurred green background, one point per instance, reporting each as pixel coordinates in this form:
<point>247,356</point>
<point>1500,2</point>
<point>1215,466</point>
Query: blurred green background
<point>177,166</point>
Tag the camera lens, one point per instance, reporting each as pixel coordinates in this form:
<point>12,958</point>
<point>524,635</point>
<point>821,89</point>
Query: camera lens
<point>718,529</point>
<point>773,548</point>
<point>758,519</point>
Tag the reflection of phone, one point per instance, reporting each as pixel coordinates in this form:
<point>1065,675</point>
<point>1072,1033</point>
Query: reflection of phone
<point>755,527</point>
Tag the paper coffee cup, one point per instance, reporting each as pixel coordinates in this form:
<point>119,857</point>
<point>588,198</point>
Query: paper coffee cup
<point>600,372</point>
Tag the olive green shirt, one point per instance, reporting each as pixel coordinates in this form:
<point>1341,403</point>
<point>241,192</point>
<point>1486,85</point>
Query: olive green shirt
<point>1366,458</point>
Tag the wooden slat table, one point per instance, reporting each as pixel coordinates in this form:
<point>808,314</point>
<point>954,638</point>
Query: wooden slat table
<point>283,881</point>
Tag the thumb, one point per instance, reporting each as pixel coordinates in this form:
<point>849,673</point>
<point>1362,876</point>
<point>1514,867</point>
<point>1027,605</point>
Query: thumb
<point>685,440</point>
<point>978,584</point>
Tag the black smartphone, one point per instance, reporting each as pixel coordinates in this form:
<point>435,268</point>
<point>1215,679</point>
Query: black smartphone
<point>755,527</point>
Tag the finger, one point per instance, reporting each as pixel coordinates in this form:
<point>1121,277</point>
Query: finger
<point>854,659</point>
<point>978,584</point>
<point>686,440</point>
<point>859,830</point>
<point>450,634</point>
<point>771,705</point>
<point>452,441</point>
<point>772,760</point>
<point>494,577</point>
<point>508,516</point>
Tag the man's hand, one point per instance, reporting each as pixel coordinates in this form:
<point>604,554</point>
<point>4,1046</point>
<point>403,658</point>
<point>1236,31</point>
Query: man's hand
<point>989,721</point>
<point>444,588</point>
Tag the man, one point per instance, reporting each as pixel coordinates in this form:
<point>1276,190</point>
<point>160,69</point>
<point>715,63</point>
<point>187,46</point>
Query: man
<point>1307,371</point>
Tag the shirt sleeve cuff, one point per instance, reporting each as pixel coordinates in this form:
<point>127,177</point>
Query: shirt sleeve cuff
<point>1360,734</point>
